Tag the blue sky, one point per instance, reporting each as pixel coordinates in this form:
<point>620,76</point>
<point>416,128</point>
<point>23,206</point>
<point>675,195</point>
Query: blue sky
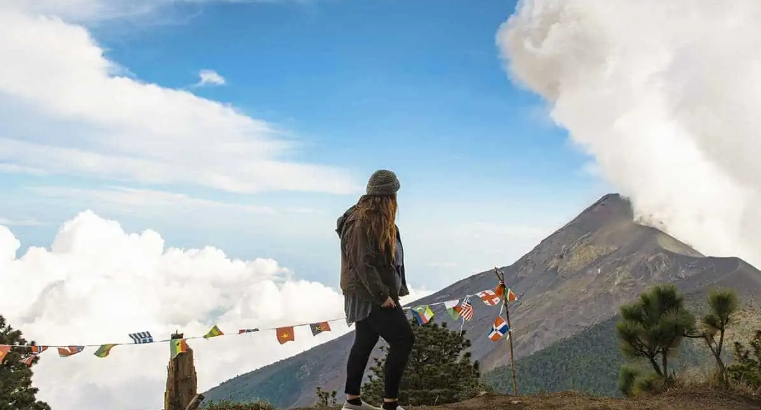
<point>416,87</point>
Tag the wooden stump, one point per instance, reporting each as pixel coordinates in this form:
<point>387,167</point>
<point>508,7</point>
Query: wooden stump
<point>181,381</point>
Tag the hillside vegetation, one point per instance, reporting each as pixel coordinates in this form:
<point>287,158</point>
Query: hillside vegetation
<point>589,361</point>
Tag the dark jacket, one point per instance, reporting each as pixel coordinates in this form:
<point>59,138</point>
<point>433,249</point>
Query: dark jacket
<point>365,270</point>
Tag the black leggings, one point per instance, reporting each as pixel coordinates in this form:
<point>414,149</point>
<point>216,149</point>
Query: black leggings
<point>393,326</point>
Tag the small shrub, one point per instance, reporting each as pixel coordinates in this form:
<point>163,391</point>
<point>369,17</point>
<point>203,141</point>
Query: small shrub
<point>649,385</point>
<point>326,398</point>
<point>626,378</point>
<point>229,405</point>
<point>746,370</point>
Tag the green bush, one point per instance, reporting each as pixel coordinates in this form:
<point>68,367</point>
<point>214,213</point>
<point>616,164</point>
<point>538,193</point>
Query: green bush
<point>440,369</point>
<point>229,405</point>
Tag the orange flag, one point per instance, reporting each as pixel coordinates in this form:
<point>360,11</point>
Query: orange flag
<point>285,334</point>
<point>511,296</point>
<point>4,349</point>
<point>69,350</point>
<point>500,289</point>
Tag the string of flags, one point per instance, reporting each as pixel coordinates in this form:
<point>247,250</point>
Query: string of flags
<point>457,309</point>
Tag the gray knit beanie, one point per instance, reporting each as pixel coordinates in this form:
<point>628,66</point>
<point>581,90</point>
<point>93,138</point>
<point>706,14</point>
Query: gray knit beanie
<point>382,183</point>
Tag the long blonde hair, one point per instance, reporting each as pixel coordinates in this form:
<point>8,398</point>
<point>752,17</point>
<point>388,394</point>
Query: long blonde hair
<point>379,215</point>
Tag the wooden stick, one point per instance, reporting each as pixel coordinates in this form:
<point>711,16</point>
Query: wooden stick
<point>501,277</point>
<point>193,405</point>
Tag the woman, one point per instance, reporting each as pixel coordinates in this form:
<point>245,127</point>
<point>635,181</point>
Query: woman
<point>372,281</point>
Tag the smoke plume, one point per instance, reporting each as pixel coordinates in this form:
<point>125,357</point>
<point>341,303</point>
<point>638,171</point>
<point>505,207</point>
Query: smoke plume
<point>665,96</point>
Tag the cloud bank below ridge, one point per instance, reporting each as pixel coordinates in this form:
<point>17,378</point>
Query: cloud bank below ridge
<point>97,283</point>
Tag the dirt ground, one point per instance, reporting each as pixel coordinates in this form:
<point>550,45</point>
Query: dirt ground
<point>682,399</point>
<point>687,399</point>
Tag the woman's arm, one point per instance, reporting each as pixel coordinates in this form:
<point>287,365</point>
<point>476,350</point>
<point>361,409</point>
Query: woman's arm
<point>364,258</point>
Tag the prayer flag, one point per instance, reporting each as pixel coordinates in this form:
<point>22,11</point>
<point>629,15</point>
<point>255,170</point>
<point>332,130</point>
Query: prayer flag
<point>500,290</point>
<point>453,309</point>
<point>285,334</point>
<point>37,349</point>
<point>29,359</point>
<point>498,329</point>
<point>177,346</point>
<point>34,351</point>
<point>141,337</point>
<point>318,328</point>
<point>70,350</point>
<point>466,311</point>
<point>511,295</point>
<point>214,332</point>
<point>104,350</point>
<point>4,350</point>
<point>489,297</point>
<point>423,314</point>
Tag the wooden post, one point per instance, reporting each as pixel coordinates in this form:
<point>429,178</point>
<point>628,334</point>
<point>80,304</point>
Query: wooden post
<point>195,403</point>
<point>501,278</point>
<point>181,382</point>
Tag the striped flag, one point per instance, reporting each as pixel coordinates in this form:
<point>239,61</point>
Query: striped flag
<point>29,359</point>
<point>466,311</point>
<point>70,350</point>
<point>34,352</point>
<point>104,350</point>
<point>177,346</point>
<point>141,337</point>
<point>214,332</point>
<point>318,328</point>
<point>37,349</point>
<point>241,331</point>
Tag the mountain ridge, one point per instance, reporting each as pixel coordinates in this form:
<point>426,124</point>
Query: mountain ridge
<point>575,278</point>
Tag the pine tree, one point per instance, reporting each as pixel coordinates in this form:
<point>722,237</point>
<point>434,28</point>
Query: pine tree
<point>723,304</point>
<point>16,391</point>
<point>439,371</point>
<point>652,328</point>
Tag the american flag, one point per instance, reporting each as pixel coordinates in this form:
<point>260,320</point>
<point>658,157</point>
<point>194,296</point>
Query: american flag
<point>467,311</point>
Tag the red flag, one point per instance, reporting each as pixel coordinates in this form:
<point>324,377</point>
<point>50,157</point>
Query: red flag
<point>285,334</point>
<point>4,350</point>
<point>500,289</point>
<point>69,350</point>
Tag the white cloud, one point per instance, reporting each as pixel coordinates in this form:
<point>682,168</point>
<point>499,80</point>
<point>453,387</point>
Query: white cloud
<point>65,109</point>
<point>98,283</point>
<point>209,77</point>
<point>99,10</point>
<point>665,96</point>
<point>20,222</point>
<point>131,200</point>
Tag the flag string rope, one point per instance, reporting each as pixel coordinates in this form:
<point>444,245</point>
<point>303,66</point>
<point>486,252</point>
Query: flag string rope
<point>257,330</point>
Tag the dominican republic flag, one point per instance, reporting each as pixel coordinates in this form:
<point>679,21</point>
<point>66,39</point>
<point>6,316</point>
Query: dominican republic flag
<point>498,329</point>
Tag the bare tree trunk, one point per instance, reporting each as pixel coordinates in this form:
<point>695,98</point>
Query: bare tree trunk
<point>181,381</point>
